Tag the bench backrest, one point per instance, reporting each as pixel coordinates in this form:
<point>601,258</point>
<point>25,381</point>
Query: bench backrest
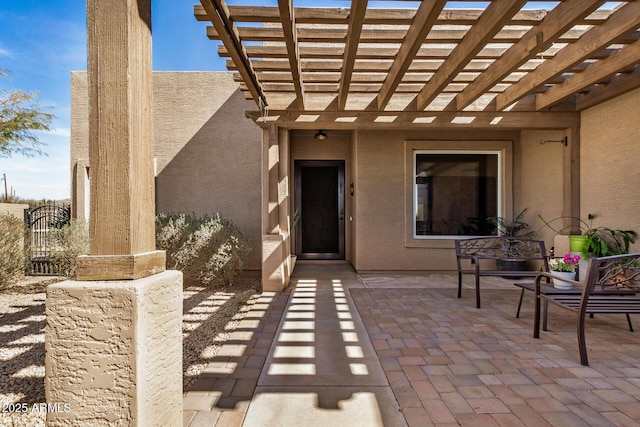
<point>613,274</point>
<point>501,247</point>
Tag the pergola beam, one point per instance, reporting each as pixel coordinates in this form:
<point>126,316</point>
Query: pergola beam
<point>424,20</point>
<point>356,20</point>
<point>488,25</point>
<point>290,37</point>
<point>326,15</point>
<point>624,20</point>
<point>320,52</point>
<point>368,35</point>
<point>378,65</point>
<point>618,61</point>
<point>218,14</point>
<point>417,120</point>
<point>555,24</point>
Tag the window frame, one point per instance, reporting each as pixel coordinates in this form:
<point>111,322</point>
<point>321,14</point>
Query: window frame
<point>499,179</point>
<point>503,147</point>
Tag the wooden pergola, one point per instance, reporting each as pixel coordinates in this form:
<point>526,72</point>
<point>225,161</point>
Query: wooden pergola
<point>410,62</point>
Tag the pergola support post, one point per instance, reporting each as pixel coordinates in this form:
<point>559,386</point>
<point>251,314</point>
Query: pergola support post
<point>571,179</point>
<point>276,249</point>
<point>114,336</point>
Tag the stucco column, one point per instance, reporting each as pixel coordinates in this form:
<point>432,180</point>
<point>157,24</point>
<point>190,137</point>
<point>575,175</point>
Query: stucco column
<point>284,200</point>
<point>114,336</point>
<point>276,259</point>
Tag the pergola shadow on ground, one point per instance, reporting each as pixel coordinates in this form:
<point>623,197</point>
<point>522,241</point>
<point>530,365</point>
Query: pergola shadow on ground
<point>402,349</point>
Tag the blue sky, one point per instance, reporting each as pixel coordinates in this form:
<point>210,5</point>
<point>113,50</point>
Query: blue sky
<point>41,42</point>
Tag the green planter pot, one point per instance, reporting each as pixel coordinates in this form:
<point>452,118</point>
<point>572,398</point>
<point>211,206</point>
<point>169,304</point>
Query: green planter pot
<point>576,246</point>
<point>576,243</point>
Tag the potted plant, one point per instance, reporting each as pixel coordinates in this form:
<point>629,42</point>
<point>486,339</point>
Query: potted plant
<point>604,241</point>
<point>513,232</point>
<point>511,228</point>
<point>576,242</point>
<point>595,242</point>
<point>564,269</point>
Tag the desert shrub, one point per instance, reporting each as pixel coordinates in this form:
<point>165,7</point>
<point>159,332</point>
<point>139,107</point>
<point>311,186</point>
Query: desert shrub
<point>68,242</point>
<point>13,257</point>
<point>209,250</point>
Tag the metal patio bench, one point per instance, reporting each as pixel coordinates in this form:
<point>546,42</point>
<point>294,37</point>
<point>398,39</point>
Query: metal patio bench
<point>610,287</point>
<point>481,255</point>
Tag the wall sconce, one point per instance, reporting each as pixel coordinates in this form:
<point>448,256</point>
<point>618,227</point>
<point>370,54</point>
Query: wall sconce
<point>564,141</point>
<point>320,135</point>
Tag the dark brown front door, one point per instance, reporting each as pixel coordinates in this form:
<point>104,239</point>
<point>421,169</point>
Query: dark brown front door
<point>320,202</point>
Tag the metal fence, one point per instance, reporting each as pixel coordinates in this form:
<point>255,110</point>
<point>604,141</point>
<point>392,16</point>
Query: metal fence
<point>41,221</point>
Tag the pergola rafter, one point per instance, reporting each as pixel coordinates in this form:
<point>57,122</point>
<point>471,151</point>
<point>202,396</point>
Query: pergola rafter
<point>535,41</point>
<point>488,25</point>
<point>624,20</point>
<point>595,73</point>
<point>218,13</point>
<point>616,86</point>
<point>424,20</point>
<point>428,58</point>
<point>291,41</point>
<point>356,20</point>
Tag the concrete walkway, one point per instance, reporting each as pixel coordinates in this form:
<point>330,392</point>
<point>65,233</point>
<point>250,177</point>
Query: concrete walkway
<point>339,349</point>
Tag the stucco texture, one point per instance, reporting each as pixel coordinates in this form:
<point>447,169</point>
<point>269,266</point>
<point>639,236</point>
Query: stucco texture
<point>15,209</point>
<point>538,178</point>
<point>209,160</point>
<point>207,153</point>
<point>383,179</point>
<point>114,351</point>
<point>609,168</point>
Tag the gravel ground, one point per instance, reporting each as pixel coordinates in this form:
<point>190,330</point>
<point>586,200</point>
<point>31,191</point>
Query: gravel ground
<point>210,315</point>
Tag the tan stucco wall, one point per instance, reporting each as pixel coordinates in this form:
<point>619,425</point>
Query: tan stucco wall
<point>538,178</point>
<point>380,211</point>
<point>207,152</point>
<point>209,158</point>
<point>610,165</point>
<point>79,145</point>
<point>384,190</point>
<point>15,209</point>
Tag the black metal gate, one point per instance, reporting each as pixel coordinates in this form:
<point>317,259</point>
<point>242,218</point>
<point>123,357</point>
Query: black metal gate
<point>40,221</point>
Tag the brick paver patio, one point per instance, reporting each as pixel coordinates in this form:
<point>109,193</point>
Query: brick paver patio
<point>448,362</point>
<point>443,361</point>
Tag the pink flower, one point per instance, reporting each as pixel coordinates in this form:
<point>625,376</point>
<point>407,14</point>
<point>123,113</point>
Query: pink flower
<point>571,259</point>
<point>566,263</point>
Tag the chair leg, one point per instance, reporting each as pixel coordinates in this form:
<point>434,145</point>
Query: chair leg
<point>477,292</point>
<point>536,317</point>
<point>520,304</point>
<point>459,285</point>
<point>582,343</point>
<point>545,311</point>
<point>629,322</point>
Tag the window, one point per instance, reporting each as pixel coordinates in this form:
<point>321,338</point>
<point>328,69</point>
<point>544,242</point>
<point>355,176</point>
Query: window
<point>455,192</point>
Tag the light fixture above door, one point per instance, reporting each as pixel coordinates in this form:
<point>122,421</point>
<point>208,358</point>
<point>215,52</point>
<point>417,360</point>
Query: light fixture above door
<point>320,135</point>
